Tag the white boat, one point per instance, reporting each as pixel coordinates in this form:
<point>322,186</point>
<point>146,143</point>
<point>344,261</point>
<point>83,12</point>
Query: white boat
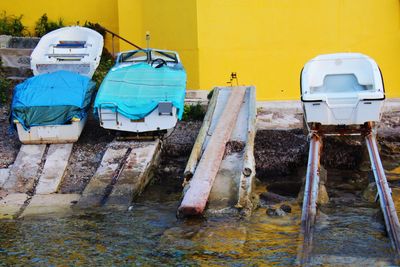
<point>143,92</point>
<point>342,89</point>
<point>76,49</point>
<point>52,106</point>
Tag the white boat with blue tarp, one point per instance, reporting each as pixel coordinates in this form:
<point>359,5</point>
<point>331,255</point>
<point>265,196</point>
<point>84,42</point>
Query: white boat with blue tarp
<point>52,106</point>
<point>143,92</point>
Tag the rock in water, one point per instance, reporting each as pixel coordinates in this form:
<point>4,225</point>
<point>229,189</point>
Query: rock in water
<point>323,197</point>
<point>286,208</point>
<point>275,212</point>
<point>369,193</point>
<point>272,197</point>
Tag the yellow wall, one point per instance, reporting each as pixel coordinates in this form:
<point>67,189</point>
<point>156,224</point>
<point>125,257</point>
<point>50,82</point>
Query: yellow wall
<point>172,25</point>
<point>104,12</point>
<point>267,42</point>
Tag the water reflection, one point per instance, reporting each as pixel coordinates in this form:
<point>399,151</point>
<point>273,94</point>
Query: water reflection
<point>150,235</point>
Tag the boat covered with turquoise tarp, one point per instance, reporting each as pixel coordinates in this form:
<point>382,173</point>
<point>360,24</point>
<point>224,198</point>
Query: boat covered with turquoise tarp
<point>144,91</point>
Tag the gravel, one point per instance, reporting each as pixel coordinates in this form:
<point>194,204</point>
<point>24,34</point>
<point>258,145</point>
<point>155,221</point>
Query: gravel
<point>9,143</point>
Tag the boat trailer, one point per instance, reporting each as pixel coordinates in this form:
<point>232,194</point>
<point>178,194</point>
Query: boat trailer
<point>309,207</point>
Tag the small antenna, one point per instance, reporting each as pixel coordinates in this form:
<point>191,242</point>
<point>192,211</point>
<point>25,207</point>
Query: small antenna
<point>148,39</point>
<point>233,77</point>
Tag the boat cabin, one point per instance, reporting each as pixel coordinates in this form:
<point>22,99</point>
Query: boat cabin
<point>342,89</point>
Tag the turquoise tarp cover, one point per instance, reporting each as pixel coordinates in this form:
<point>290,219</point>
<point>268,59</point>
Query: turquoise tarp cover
<point>137,89</point>
<point>51,99</point>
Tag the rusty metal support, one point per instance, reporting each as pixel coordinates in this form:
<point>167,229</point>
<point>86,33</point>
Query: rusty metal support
<point>385,197</point>
<point>309,209</point>
<point>196,196</point>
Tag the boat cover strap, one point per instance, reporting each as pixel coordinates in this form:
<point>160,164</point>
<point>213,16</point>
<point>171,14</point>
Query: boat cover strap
<point>51,99</point>
<point>136,90</point>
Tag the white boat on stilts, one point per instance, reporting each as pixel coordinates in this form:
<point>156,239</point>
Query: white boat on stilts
<point>342,89</point>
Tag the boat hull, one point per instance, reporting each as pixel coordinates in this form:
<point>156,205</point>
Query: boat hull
<point>342,89</point>
<point>152,122</point>
<point>51,134</point>
<point>363,111</point>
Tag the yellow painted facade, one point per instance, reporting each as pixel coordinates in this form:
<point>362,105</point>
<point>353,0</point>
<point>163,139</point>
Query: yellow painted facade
<point>72,11</point>
<point>266,42</point>
<point>172,25</point>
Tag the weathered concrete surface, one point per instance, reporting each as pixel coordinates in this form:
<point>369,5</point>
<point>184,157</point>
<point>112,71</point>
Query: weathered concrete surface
<point>196,96</point>
<point>59,204</point>
<point>136,174</point>
<point>279,115</point>
<point>96,189</point>
<point>4,173</point>
<point>279,120</point>
<point>15,58</point>
<point>5,40</point>
<point>25,169</point>
<point>54,168</point>
<point>225,188</point>
<point>195,198</point>
<point>11,205</point>
<point>343,260</point>
<point>224,192</point>
<point>285,115</point>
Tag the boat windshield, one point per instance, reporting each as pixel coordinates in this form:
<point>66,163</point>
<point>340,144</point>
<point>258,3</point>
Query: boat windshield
<point>134,56</point>
<point>167,56</point>
<point>143,56</point>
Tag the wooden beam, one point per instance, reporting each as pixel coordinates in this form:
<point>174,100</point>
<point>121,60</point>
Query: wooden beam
<point>197,148</point>
<point>200,186</point>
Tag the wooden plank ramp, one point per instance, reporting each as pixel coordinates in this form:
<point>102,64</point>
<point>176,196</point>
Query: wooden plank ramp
<point>219,155</point>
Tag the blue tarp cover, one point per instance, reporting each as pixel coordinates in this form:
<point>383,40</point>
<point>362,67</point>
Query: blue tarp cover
<point>137,89</point>
<point>51,99</point>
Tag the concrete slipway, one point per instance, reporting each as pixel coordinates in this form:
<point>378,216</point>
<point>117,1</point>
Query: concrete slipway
<point>30,186</point>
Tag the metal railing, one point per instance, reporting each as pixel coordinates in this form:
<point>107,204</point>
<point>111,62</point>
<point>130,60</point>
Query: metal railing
<point>113,35</point>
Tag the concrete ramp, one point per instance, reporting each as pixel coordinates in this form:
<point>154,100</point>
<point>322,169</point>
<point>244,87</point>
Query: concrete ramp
<point>124,172</point>
<point>34,178</point>
<point>221,166</point>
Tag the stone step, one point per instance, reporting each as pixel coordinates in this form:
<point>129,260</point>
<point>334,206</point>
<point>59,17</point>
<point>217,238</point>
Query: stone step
<point>13,59</point>
<point>54,168</point>
<point>11,205</point>
<point>24,171</point>
<point>23,42</point>
<point>15,52</point>
<point>22,72</point>
<point>338,260</point>
<point>136,174</point>
<point>96,189</point>
<point>50,204</point>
